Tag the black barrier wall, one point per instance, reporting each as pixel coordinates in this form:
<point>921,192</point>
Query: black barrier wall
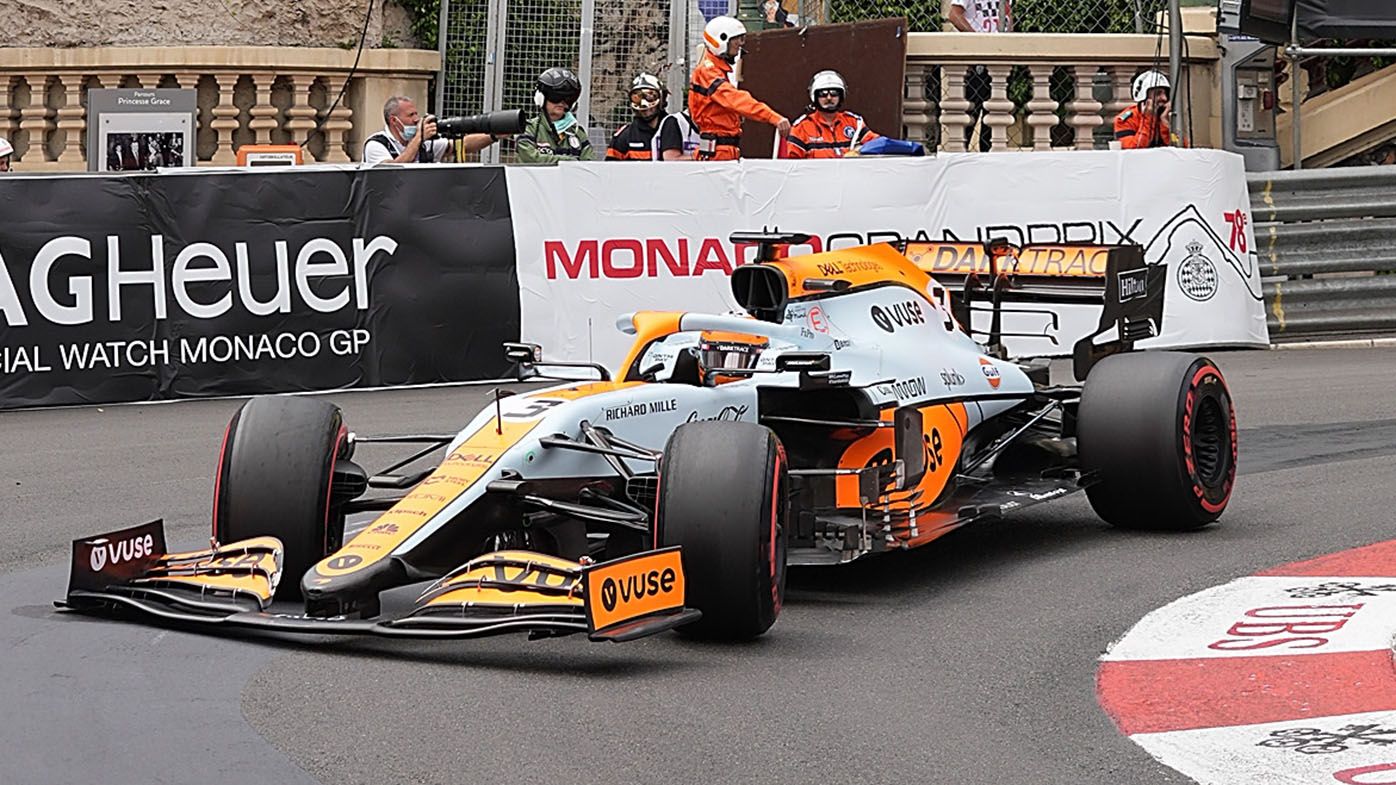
<point>145,287</point>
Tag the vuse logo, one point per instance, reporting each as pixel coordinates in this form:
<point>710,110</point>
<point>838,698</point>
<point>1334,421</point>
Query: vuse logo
<point>636,587</point>
<point>106,552</point>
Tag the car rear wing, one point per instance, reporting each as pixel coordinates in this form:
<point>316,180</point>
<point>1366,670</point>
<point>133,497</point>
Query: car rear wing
<point>1115,277</point>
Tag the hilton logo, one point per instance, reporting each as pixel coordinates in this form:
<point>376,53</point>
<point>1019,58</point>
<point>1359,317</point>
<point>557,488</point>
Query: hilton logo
<point>1134,284</point>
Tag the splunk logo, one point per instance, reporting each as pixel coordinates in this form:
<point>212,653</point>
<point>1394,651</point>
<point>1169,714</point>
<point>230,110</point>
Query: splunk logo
<point>202,280</point>
<point>107,553</point>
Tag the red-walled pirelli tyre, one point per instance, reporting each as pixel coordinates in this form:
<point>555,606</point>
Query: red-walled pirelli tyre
<point>274,478</point>
<point>1159,431</point>
<point>722,497</point>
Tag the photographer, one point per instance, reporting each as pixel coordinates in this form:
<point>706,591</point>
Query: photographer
<point>1145,124</point>
<point>410,138</point>
<point>555,134</point>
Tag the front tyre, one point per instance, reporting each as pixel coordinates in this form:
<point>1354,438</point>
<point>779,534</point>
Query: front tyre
<point>275,476</point>
<point>1158,430</point>
<point>722,497</point>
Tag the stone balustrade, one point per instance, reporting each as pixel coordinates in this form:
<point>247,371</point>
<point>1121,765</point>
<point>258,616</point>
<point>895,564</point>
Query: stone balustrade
<point>1043,91</point>
<point>247,95</point>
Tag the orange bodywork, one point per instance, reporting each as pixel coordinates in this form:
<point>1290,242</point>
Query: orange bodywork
<point>649,326</point>
<point>871,264</point>
<point>913,522</point>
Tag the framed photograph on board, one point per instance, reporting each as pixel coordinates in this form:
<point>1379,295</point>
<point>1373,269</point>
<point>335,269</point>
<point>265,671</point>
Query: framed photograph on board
<point>141,130</point>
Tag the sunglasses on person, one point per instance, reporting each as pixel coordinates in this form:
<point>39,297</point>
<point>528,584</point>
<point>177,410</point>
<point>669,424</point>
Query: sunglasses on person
<point>829,93</point>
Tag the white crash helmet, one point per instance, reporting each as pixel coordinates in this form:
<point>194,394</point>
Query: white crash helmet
<point>721,30</point>
<point>827,80</point>
<point>6,149</point>
<point>646,81</point>
<point>1147,81</point>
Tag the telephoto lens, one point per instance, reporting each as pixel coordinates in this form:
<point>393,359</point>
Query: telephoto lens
<point>499,123</point>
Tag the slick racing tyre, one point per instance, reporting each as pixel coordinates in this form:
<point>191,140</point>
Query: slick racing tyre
<point>722,497</point>
<point>274,478</point>
<point>1159,432</point>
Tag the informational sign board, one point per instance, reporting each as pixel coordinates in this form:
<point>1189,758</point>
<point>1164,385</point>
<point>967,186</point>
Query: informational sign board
<point>132,130</point>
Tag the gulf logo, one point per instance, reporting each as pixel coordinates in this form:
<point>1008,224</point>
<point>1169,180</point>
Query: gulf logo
<point>991,372</point>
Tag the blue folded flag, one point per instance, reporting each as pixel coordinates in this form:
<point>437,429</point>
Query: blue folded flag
<point>885,146</point>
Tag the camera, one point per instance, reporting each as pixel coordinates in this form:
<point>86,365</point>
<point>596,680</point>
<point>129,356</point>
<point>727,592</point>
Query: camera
<point>499,123</point>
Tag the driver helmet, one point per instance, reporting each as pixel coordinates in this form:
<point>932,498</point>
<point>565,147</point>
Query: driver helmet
<point>728,350</point>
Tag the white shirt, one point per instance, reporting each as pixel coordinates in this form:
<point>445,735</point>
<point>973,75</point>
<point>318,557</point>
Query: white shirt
<point>983,15</point>
<point>678,126</point>
<point>375,153</point>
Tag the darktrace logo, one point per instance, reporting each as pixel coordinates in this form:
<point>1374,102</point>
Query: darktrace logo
<point>899,315</point>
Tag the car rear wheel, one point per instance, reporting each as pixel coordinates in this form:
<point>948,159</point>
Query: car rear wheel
<point>275,475</point>
<point>722,497</point>
<point>1158,432</point>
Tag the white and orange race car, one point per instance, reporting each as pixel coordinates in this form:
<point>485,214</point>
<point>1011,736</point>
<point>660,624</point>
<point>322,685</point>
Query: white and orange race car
<point>846,412</point>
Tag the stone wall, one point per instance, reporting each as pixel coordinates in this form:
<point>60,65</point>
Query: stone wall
<point>319,23</point>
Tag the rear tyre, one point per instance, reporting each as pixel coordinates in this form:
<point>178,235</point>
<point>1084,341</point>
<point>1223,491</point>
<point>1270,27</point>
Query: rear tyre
<point>722,497</point>
<point>1159,431</point>
<point>274,478</point>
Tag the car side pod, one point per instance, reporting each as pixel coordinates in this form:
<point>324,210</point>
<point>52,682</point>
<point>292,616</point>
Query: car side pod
<point>505,591</point>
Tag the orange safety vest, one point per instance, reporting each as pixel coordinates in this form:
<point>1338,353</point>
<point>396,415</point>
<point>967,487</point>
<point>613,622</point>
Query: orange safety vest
<point>1136,130</point>
<point>816,135</point>
<point>717,107</point>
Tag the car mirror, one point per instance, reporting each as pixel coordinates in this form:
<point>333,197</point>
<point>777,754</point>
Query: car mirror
<point>523,353</point>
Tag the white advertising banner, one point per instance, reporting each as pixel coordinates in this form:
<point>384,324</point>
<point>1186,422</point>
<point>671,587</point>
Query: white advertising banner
<point>595,240</point>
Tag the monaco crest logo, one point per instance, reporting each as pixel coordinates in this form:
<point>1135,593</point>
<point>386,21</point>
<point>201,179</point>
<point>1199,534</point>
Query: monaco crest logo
<point>1197,275</point>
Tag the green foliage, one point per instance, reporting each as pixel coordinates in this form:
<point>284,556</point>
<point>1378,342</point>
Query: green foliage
<point>1092,16</point>
<point>919,15</point>
<point>426,18</point>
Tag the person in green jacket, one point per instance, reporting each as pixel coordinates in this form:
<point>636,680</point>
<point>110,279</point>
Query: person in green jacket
<point>555,135</point>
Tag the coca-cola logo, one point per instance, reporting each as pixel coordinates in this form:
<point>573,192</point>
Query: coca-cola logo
<point>107,553</point>
<point>728,413</point>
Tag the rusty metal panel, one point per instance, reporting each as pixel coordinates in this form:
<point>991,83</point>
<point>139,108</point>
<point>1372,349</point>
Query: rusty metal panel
<point>871,56</point>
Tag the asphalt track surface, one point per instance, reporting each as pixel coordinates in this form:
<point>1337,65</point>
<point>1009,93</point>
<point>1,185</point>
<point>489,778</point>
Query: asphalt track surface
<point>969,661</point>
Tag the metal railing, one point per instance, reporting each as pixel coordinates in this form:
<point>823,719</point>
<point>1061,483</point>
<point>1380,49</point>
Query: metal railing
<point>1327,260</point>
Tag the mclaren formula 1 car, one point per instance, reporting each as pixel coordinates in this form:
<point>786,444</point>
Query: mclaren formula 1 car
<point>850,409</point>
